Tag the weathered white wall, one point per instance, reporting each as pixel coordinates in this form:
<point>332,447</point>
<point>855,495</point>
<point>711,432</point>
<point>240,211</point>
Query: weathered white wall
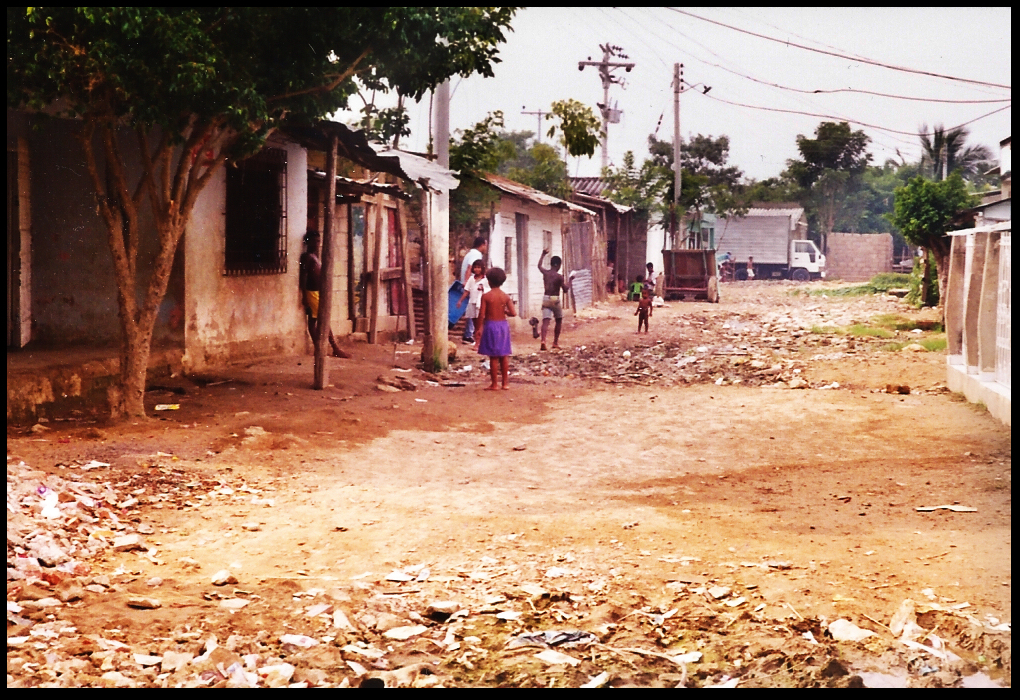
<point>69,291</point>
<point>539,219</point>
<point>232,317</point>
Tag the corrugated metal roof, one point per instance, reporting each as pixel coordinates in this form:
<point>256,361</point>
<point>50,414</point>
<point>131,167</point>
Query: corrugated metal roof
<point>531,194</point>
<point>593,186</point>
<point>602,201</point>
<point>760,211</point>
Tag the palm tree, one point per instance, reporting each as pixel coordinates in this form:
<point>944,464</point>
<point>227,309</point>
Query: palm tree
<point>945,153</point>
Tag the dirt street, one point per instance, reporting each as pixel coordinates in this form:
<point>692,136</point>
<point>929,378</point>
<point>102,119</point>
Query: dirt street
<point>729,499</point>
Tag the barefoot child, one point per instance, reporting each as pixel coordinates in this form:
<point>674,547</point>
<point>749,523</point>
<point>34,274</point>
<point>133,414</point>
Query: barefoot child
<point>644,310</point>
<point>493,329</point>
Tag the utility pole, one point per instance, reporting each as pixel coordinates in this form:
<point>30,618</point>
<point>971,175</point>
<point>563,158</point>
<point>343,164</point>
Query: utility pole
<point>678,76</point>
<point>678,87</point>
<point>606,67</point>
<point>437,277</point>
<point>540,113</point>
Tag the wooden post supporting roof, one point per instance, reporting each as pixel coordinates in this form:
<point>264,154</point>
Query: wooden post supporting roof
<point>373,319</point>
<point>321,380</point>
<point>402,248</point>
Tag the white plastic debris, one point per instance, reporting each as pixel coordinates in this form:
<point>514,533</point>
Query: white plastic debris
<point>846,631</point>
<point>551,656</point>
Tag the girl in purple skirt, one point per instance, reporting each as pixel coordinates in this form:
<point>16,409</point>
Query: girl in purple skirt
<point>493,329</point>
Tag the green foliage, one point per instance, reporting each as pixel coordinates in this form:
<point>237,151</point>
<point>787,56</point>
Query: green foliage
<point>879,284</point>
<point>545,171</point>
<point>945,151</point>
<point>830,168</point>
<point>479,148</point>
<point>884,281</point>
<point>707,182</point>
<point>384,125</point>
<point>246,68</point>
<point>924,209</point>
<point>579,126</point>
<point>859,330</point>
<point>936,344</point>
<point>643,188</point>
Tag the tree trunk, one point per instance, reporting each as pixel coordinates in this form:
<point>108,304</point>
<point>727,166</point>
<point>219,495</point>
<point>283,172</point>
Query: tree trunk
<point>941,249</point>
<point>171,179</point>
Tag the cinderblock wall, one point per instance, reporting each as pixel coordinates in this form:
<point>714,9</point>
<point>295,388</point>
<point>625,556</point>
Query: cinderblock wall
<point>857,257</point>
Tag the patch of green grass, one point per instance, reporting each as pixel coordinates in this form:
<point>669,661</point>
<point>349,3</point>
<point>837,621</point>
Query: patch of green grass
<point>859,330</point>
<point>824,330</point>
<point>879,284</point>
<point>890,280</point>
<point>897,322</point>
<point>936,344</point>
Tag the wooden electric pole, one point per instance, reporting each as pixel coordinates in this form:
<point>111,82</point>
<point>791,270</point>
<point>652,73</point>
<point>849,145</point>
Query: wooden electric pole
<point>676,219</point>
<point>606,67</point>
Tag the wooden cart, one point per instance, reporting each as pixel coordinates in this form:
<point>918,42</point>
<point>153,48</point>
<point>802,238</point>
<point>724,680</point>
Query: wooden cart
<point>690,273</point>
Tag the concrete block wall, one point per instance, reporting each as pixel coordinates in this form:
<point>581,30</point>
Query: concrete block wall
<point>857,257</point>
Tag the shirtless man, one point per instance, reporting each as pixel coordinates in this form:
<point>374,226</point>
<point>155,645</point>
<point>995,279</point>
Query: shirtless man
<point>552,307</point>
<point>309,283</point>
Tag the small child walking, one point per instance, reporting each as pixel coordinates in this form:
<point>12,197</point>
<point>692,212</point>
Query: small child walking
<point>644,310</point>
<point>493,329</point>
<point>474,288</point>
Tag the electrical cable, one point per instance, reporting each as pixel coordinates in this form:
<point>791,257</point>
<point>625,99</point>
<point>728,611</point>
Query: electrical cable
<point>840,55</point>
<point>846,119</point>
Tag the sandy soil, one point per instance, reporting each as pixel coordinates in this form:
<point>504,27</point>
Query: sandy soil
<point>601,494</point>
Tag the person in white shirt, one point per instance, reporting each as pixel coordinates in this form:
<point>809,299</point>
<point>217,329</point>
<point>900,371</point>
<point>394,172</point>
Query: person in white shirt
<point>477,252</point>
<point>474,288</point>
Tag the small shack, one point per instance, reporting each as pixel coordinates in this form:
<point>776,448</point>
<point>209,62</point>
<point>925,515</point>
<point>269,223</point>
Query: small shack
<point>524,222</point>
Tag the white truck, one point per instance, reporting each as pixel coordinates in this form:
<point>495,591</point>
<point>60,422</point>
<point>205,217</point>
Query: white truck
<point>773,238</point>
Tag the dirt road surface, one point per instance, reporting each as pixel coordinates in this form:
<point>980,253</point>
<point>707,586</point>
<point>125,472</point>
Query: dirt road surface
<point>726,500</point>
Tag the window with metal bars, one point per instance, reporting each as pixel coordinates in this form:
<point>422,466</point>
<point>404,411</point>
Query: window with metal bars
<point>256,227</point>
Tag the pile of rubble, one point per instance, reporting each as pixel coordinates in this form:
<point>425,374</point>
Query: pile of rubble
<point>762,347</point>
<point>558,619</point>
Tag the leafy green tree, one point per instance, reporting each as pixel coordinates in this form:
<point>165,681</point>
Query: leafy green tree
<point>213,82</point>
<point>829,169</point>
<point>643,188</point>
<point>924,211</point>
<point>545,171</point>
<point>945,151</point>
<point>708,183</point>
<point>580,128</point>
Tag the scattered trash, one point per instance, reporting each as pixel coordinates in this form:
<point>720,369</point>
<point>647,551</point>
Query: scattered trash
<point>553,638</point>
<point>298,640</point>
<point>167,407</point>
<point>551,656</point>
<point>597,681</point>
<point>846,631</point>
<point>403,633</point>
<point>954,508</point>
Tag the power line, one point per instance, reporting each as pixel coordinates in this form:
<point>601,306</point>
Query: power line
<point>846,119</point>
<point>839,54</point>
<point>753,79</point>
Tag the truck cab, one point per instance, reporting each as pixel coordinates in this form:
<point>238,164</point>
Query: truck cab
<point>806,261</point>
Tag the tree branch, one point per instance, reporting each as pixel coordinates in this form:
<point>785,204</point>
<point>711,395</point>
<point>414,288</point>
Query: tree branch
<point>114,229</point>
<point>329,87</point>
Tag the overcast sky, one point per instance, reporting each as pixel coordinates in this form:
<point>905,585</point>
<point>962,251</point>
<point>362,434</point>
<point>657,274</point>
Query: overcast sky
<point>539,65</point>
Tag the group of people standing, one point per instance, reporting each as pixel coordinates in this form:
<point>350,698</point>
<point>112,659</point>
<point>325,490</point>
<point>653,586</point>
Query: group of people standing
<point>489,307</point>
